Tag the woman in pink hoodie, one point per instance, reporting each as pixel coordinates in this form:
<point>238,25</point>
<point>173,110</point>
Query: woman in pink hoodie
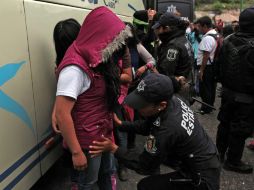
<point>87,91</point>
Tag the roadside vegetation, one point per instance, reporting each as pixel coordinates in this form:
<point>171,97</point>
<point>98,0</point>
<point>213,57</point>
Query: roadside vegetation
<point>221,5</point>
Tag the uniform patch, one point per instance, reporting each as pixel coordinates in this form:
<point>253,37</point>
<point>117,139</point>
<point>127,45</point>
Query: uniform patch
<point>150,144</point>
<point>172,53</point>
<point>141,86</point>
<point>157,122</point>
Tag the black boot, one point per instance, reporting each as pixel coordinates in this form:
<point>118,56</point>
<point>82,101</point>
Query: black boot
<point>239,167</point>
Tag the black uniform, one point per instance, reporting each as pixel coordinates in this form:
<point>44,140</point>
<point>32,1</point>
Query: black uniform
<point>236,114</point>
<point>174,132</point>
<point>175,58</point>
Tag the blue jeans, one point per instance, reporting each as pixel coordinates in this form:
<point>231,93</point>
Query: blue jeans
<point>100,168</point>
<point>120,137</point>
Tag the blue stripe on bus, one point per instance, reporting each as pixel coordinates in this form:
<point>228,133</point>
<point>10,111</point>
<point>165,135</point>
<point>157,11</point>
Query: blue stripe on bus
<point>8,171</point>
<point>30,167</point>
<point>22,174</point>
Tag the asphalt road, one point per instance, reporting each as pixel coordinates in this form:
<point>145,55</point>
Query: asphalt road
<point>57,178</point>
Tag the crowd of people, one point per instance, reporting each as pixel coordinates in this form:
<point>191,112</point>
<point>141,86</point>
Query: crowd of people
<point>116,80</point>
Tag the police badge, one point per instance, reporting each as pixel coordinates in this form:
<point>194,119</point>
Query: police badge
<point>141,86</point>
<point>150,144</point>
<point>172,53</point>
<point>157,122</point>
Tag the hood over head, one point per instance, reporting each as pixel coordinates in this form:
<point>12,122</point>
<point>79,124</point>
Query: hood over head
<point>101,34</point>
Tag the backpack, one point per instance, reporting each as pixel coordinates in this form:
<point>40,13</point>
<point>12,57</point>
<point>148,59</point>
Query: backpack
<point>238,71</point>
<point>216,68</point>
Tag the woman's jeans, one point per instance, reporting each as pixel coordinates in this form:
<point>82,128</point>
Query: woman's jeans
<point>100,169</point>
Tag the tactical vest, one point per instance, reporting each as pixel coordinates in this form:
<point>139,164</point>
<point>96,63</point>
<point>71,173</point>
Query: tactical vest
<point>238,64</point>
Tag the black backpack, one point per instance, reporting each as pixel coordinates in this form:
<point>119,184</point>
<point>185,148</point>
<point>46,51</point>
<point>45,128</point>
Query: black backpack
<point>239,73</point>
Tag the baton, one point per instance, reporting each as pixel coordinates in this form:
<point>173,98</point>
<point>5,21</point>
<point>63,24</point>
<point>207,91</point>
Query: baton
<point>199,101</point>
<point>130,6</point>
<point>180,180</point>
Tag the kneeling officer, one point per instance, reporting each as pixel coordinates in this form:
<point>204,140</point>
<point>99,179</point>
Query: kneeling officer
<point>173,132</point>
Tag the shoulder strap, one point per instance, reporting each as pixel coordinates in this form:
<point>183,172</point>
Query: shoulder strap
<point>215,36</point>
<point>246,44</point>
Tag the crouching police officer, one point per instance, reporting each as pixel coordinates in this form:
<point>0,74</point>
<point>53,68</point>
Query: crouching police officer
<point>172,129</point>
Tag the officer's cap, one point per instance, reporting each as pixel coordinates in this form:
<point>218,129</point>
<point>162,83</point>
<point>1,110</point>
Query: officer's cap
<point>153,88</point>
<point>167,19</point>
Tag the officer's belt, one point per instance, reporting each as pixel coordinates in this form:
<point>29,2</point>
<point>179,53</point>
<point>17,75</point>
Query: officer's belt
<point>239,97</point>
<point>190,168</point>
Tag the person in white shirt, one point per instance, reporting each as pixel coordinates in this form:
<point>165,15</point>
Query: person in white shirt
<point>206,51</point>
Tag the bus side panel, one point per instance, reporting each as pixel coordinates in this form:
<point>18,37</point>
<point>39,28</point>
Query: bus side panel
<point>18,135</point>
<point>41,19</point>
<point>120,7</point>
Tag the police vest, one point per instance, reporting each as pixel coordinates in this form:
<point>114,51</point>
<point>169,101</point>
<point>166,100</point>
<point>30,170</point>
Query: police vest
<point>238,64</point>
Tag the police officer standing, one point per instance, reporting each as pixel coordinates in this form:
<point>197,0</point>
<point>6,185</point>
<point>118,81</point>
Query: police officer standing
<point>237,104</point>
<point>171,129</point>
<point>175,52</point>
<point>175,55</point>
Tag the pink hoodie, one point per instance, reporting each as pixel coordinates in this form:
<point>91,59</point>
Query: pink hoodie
<point>101,34</point>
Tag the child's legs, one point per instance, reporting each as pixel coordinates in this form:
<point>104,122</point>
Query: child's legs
<point>87,178</point>
<point>107,172</point>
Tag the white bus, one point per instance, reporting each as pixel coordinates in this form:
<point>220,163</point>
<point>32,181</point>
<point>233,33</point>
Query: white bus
<point>27,82</point>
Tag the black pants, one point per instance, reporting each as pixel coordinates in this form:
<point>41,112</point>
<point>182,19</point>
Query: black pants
<point>207,88</point>
<point>230,143</point>
<point>162,182</point>
<point>131,142</point>
<point>236,125</point>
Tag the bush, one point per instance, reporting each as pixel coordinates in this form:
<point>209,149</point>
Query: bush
<point>218,6</point>
<point>230,1</point>
<point>226,1</point>
<point>204,1</point>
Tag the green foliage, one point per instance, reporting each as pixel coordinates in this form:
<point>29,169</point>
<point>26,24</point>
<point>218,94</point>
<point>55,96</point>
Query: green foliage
<point>230,1</point>
<point>220,5</point>
<point>221,1</point>
<point>225,1</point>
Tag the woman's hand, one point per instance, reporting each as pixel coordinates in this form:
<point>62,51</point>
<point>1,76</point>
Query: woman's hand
<point>54,122</point>
<point>140,71</point>
<point>181,80</point>
<point>106,145</point>
<point>79,161</point>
